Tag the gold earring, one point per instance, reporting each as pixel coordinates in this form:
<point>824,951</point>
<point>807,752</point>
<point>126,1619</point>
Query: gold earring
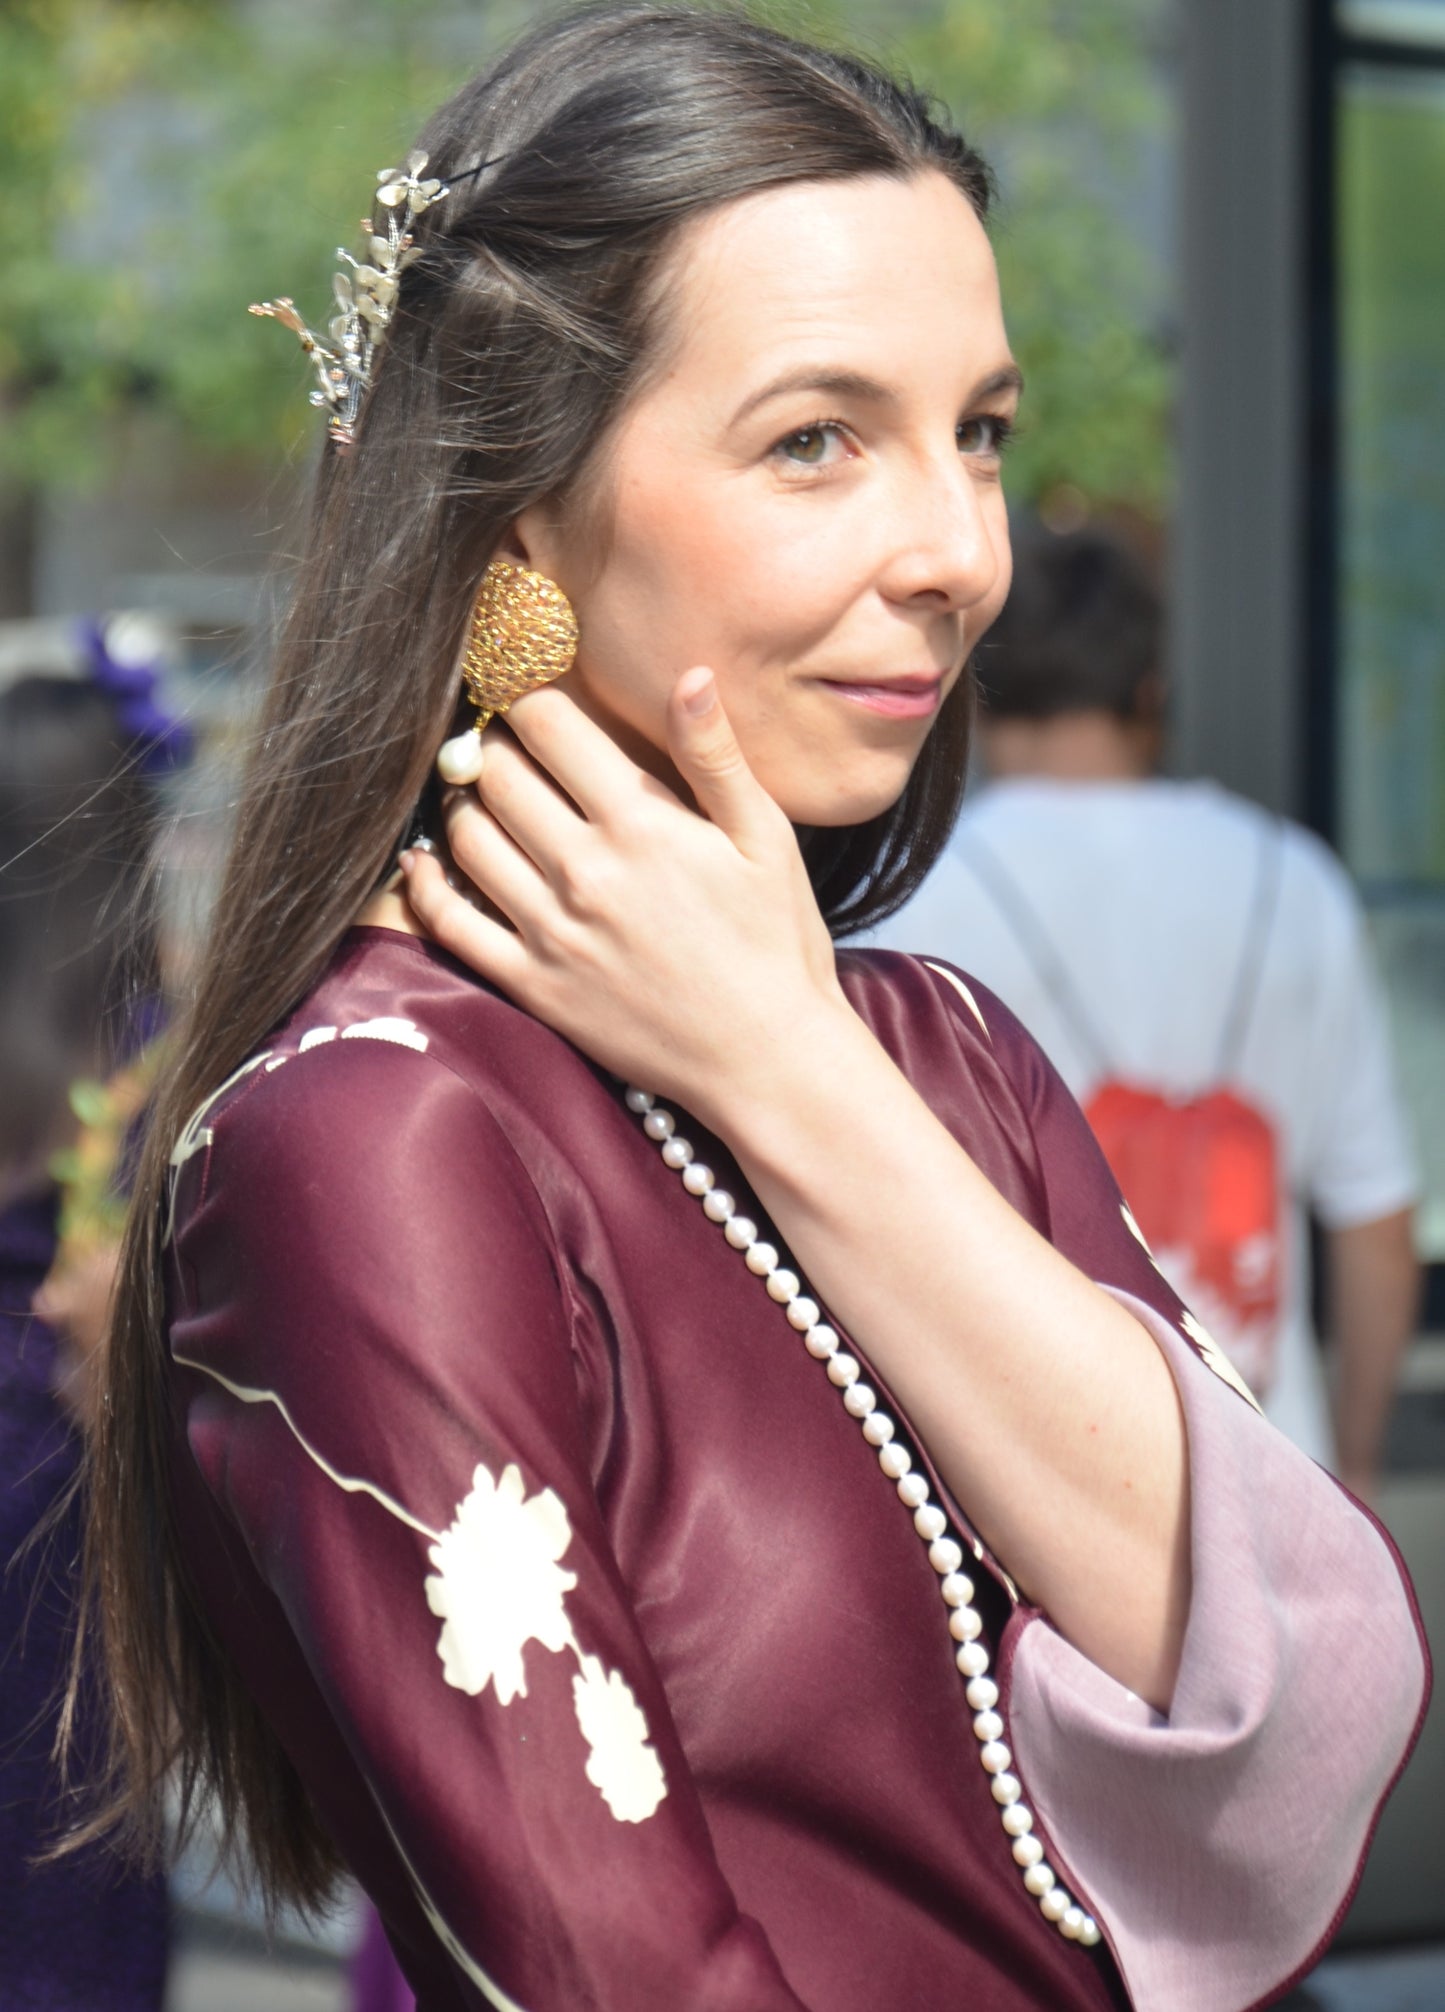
<point>523,633</point>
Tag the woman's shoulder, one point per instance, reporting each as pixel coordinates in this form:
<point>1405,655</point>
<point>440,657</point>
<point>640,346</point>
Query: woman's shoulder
<point>385,995</point>
<point>396,1064</point>
<point>386,990</point>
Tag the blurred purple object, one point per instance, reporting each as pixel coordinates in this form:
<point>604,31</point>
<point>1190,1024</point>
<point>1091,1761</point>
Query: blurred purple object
<point>377,1984</point>
<point>81,1934</point>
<point>129,677</point>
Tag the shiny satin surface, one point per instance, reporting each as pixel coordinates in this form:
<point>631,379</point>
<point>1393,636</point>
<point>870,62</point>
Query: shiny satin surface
<point>422,1237</point>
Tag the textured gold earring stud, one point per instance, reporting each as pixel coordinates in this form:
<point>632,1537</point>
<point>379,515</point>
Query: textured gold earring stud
<point>523,634</point>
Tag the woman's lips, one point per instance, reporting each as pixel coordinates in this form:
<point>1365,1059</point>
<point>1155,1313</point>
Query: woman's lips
<point>898,699</point>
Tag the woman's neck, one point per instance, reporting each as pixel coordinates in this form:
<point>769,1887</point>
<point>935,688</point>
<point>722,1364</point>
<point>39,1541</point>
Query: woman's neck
<point>389,909</point>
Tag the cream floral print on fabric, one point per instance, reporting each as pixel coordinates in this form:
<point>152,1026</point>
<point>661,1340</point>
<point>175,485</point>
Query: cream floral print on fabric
<point>1211,1353</point>
<point>1216,1358</point>
<point>498,1585</point>
<point>623,1765</point>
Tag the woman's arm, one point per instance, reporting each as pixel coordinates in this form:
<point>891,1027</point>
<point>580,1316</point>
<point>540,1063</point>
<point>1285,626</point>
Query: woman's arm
<point>1048,1407</point>
<point>373,1351</point>
<point>686,953</point>
<point>1374,1300</point>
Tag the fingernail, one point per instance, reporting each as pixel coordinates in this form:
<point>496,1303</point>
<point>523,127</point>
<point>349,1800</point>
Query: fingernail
<point>701,696</point>
<point>406,861</point>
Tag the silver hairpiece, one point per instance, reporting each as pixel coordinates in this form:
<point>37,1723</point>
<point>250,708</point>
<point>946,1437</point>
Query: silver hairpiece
<point>365,298</point>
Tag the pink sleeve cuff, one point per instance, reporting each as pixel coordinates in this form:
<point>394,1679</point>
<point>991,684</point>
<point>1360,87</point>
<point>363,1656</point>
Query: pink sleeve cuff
<point>1218,1848</point>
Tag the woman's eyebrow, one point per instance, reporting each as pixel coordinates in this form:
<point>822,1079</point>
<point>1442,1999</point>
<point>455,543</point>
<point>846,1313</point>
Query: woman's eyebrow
<point>816,377</point>
<point>1010,378</point>
<point>857,384</point>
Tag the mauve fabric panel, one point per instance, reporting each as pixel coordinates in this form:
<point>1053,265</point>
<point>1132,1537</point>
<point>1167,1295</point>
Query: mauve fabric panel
<point>1302,1657</point>
<point>431,1241</point>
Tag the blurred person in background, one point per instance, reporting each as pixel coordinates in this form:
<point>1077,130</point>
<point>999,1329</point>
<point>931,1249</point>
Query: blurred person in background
<point>1200,973</point>
<point>76,811</point>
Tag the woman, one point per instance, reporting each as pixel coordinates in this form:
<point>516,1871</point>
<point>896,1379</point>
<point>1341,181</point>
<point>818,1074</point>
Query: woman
<point>534,1541</point>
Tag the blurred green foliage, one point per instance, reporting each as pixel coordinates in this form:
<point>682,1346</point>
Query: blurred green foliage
<point>167,161</point>
<point>1068,102</point>
<point>1392,261</point>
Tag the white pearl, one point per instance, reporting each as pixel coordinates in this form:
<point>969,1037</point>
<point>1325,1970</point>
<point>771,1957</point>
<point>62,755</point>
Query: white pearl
<point>858,1400</point>
<point>957,1589</point>
<point>987,1725</point>
<point>803,1312</point>
<point>944,1556</point>
<point>640,1101</point>
<point>965,1624</point>
<point>1018,1820</point>
<point>1038,1879</point>
<point>676,1153</point>
<point>1027,1850</point>
<point>878,1428</point>
<point>821,1340</point>
<point>1089,1933</point>
<point>659,1125</point>
<point>842,1370</point>
<point>784,1285</point>
<point>741,1232</point>
<point>1006,1788</point>
<point>459,760</point>
<point>697,1178</point>
<point>971,1658</point>
<point>895,1461</point>
<point>718,1205</point>
<point>913,1490</point>
<point>930,1522</point>
<point>982,1694</point>
<point>761,1259</point>
<point>995,1757</point>
<point>1072,1923</point>
<point>1055,1904</point>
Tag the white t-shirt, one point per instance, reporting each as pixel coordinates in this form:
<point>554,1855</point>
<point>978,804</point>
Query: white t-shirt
<point>1146,893</point>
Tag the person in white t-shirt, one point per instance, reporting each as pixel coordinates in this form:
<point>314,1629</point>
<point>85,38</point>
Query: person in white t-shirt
<point>1208,961</point>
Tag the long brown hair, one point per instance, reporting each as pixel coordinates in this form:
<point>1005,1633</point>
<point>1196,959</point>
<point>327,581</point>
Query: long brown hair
<point>519,335</point>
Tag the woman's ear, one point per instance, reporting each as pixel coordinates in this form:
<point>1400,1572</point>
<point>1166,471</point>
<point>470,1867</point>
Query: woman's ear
<point>532,540</point>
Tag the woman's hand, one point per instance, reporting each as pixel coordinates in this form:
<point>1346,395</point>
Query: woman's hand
<point>678,947</point>
<point>683,950</point>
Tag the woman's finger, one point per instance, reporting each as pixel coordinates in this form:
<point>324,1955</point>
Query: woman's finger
<point>496,867</point>
<point>587,762</point>
<point>489,947</point>
<point>706,753</point>
<point>527,804</point>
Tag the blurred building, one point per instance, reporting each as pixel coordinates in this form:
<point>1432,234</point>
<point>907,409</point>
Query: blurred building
<point>1310,580</point>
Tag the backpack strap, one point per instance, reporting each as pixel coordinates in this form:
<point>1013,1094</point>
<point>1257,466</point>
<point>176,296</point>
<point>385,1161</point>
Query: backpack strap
<point>1260,926</point>
<point>1037,945</point>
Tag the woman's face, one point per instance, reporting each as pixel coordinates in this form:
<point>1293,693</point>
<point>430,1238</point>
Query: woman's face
<point>806,494</point>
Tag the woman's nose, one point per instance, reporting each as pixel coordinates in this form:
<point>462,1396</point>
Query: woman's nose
<point>946,544</point>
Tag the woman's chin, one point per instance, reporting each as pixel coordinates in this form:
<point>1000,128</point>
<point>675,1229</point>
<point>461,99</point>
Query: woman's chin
<point>833,801</point>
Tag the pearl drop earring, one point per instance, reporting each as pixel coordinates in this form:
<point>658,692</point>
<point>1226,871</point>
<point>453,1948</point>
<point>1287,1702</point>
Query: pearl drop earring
<point>523,634</point>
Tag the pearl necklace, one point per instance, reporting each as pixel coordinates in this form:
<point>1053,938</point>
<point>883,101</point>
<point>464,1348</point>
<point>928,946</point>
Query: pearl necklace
<point>945,1554</point>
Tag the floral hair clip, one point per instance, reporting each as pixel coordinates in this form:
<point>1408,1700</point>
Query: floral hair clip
<point>365,298</point>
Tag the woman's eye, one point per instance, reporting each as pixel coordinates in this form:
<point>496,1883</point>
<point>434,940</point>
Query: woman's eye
<point>985,435</point>
<point>809,446</point>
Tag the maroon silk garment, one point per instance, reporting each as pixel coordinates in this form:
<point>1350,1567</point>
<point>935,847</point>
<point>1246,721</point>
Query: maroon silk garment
<point>607,1653</point>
